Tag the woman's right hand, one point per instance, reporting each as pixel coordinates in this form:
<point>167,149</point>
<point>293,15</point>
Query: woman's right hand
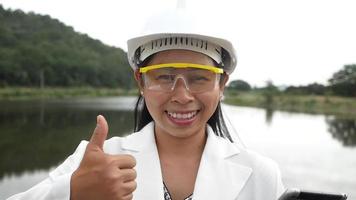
<point>103,176</point>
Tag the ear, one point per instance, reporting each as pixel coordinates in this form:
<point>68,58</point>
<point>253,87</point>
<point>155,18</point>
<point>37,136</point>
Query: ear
<point>139,80</point>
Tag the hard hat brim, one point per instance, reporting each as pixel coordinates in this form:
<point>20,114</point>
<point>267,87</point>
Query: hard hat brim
<point>229,60</point>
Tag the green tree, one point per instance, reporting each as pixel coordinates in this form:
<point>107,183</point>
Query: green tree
<point>269,91</point>
<point>343,82</point>
<point>239,85</point>
<point>311,89</point>
<point>36,50</point>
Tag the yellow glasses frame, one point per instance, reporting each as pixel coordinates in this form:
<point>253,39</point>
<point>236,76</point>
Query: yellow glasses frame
<point>182,65</point>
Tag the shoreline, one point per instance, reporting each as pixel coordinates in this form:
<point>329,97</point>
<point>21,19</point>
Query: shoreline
<point>30,93</point>
<point>312,104</point>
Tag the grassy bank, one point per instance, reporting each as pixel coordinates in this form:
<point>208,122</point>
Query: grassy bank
<point>332,105</point>
<point>307,104</point>
<point>16,93</point>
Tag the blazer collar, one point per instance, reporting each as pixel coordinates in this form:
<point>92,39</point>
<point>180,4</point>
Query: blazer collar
<point>142,145</point>
<point>219,175</point>
<point>144,140</point>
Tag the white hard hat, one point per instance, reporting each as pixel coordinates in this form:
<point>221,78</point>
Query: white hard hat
<point>178,30</point>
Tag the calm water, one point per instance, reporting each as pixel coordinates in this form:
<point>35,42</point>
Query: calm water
<point>314,152</point>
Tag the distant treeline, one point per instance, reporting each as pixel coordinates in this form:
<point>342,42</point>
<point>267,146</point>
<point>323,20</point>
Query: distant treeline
<point>37,50</point>
<point>342,83</point>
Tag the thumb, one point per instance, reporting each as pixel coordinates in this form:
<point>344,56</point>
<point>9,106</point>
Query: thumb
<point>100,133</point>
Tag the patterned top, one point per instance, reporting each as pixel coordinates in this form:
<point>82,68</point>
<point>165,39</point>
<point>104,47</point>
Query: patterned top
<point>167,196</point>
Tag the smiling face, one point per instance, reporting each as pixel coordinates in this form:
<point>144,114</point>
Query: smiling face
<point>180,113</point>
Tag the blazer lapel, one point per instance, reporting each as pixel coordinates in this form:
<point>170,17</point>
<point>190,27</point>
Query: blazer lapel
<point>218,176</point>
<point>142,146</point>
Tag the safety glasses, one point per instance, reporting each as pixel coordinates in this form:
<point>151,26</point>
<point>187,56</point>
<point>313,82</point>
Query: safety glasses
<point>197,78</point>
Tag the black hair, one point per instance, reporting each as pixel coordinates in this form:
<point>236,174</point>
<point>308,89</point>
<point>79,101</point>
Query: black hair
<point>142,116</point>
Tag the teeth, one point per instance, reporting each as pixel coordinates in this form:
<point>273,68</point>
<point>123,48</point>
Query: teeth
<point>182,116</point>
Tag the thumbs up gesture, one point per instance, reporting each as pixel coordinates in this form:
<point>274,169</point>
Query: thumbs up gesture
<point>103,176</point>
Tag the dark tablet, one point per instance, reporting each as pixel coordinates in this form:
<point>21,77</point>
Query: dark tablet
<point>296,194</point>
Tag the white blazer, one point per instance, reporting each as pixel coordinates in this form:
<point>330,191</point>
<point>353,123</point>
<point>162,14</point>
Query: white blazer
<point>226,171</point>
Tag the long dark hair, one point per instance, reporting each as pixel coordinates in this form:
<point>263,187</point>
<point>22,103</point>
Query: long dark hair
<point>143,117</point>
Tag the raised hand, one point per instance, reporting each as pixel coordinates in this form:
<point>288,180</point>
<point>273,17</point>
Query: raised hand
<point>103,176</point>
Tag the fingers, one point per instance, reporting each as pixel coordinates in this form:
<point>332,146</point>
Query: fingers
<point>128,175</point>
<point>128,197</point>
<point>104,176</point>
<point>124,161</point>
<point>123,179</point>
<point>129,187</point>
<point>100,133</point>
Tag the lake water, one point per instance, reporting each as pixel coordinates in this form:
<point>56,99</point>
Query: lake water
<point>314,152</point>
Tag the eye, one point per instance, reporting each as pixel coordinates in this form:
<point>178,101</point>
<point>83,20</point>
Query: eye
<point>200,78</point>
<point>165,77</point>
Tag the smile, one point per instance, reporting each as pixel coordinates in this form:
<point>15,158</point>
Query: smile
<point>182,115</point>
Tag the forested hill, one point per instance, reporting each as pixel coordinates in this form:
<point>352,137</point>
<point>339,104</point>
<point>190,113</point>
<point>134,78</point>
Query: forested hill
<point>36,50</point>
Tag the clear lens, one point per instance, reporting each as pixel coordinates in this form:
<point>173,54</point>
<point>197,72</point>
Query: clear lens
<point>196,80</point>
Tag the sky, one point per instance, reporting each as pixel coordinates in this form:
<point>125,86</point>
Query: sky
<point>290,42</point>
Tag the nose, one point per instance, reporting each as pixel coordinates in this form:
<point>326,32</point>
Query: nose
<point>181,93</point>
<point>179,82</point>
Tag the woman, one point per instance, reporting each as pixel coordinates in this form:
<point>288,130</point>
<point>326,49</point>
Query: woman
<point>181,148</point>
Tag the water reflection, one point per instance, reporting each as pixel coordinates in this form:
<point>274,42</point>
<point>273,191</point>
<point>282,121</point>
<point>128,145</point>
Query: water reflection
<point>343,130</point>
<point>39,135</point>
<point>269,115</point>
